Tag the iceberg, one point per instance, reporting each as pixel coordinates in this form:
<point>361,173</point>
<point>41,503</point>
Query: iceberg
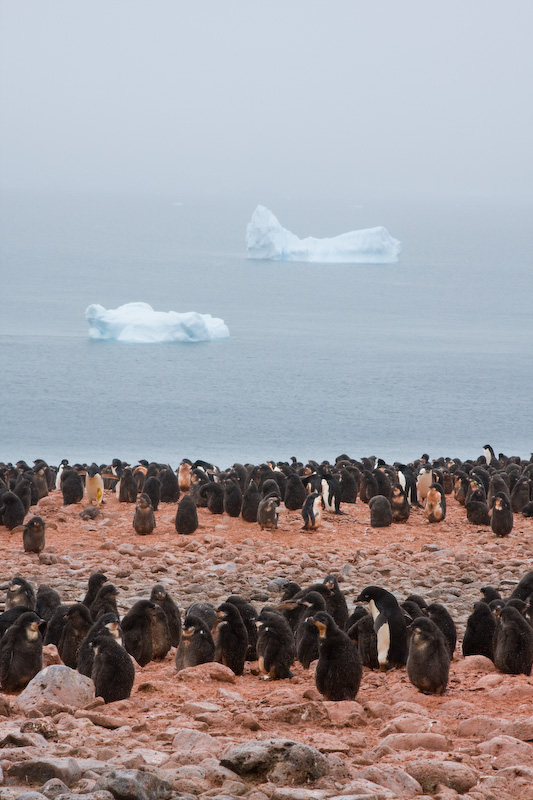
<point>138,323</point>
<point>266,239</point>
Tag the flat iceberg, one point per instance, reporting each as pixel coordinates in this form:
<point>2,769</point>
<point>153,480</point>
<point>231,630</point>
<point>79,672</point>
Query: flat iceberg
<point>267,240</point>
<point>138,323</point>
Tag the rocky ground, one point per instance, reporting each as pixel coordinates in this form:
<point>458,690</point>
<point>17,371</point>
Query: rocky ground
<point>206,733</point>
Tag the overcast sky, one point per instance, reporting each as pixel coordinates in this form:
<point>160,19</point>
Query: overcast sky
<point>225,96</point>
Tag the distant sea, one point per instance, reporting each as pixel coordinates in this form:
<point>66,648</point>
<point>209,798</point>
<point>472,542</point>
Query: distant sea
<point>432,354</point>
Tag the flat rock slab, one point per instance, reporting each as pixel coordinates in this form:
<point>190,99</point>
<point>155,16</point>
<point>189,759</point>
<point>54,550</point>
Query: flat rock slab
<point>207,672</point>
<point>56,685</point>
<point>415,741</point>
<point>277,760</point>
<point>131,784</point>
<point>430,774</point>
<point>40,770</point>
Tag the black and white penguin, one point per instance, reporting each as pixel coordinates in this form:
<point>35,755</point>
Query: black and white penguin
<point>479,633</point>
<point>513,643</point>
<point>501,515</point>
<point>331,494</point>
<point>144,519</point>
<point>21,652</point>
<point>94,485</point>
<point>275,646</point>
<point>159,596</point>
<point>380,511</point>
<point>312,512</point>
<point>428,662</point>
<point>33,539</point>
<point>389,624</point>
<point>113,672</point>
<point>230,637</point>
<point>196,644</point>
<point>267,512</point>
<point>339,669</point>
<point>186,516</point>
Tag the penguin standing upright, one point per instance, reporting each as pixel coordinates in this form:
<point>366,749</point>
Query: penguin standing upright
<point>306,634</point>
<point>186,516</point>
<point>339,669</point>
<point>94,485</point>
<point>94,584</point>
<point>231,638</point>
<point>112,670</point>
<point>267,512</point>
<point>196,644</point>
<point>501,515</point>
<point>137,631</point>
<point>312,512</point>
<point>144,519</point>
<point>443,620</point>
<point>20,593</point>
<point>105,601</point>
<point>400,506</point>
<point>275,646</point>
<point>428,662</point>
<point>250,503</point>
<point>295,493</point>
<point>380,511</point>
<point>435,508</point>
<point>232,497</point>
<point>152,487</point>
<point>336,602</point>
<point>389,624</point>
<point>170,490</point>
<point>21,652</point>
<point>513,643</point>
<point>71,487</point>
<point>33,539</point>
<point>12,510</point>
<point>108,624</point>
<point>159,596</point>
<point>77,625</point>
<point>479,633</point>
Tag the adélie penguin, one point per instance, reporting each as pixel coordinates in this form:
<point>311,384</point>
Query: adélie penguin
<point>339,669</point>
<point>389,624</point>
<point>428,662</point>
<point>21,652</point>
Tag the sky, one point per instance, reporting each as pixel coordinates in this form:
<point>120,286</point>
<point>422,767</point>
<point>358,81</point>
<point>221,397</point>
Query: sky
<point>165,96</point>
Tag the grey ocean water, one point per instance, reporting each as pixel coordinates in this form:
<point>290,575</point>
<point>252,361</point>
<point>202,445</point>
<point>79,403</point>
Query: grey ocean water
<point>433,354</point>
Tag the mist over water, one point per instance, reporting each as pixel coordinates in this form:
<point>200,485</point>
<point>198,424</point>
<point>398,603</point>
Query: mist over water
<point>433,354</point>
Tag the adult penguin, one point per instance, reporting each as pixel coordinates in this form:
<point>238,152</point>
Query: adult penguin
<point>400,506</point>
<point>144,519</point>
<point>479,633</point>
<point>33,540</point>
<point>513,644</point>
<point>112,673</point>
<point>196,644</point>
<point>339,669</point>
<point>170,490</point>
<point>249,617</point>
<point>295,493</point>
<point>230,637</point>
<point>94,485</point>
<point>443,620</point>
<point>331,494</point>
<point>275,646</point>
<point>159,596</point>
<point>428,662</point>
<point>21,652</point>
<point>108,624</point>
<point>78,623</point>
<point>186,516</point>
<point>12,511</point>
<point>389,625</point>
<point>250,502</point>
<point>213,493</point>
<point>336,602</point>
<point>137,631</point>
<point>20,593</point>
<point>232,496</point>
<point>312,512</point>
<point>380,511</point>
<point>501,515</point>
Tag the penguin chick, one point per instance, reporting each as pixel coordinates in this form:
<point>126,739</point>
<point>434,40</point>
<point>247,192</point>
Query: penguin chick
<point>306,634</point>
<point>479,633</point>
<point>513,645</point>
<point>20,593</point>
<point>435,508</point>
<point>524,587</point>
<point>137,631</point>
<point>275,646</point>
<point>105,601</point>
<point>144,519</point>
<point>186,516</point>
<point>339,669</point>
<point>501,515</point>
<point>161,643</point>
<point>113,672</point>
<point>363,635</point>
<point>336,602</point>
<point>232,499</point>
<point>295,494</point>
<point>400,506</point>
<point>213,493</point>
<point>250,503</point>
<point>428,662</point>
<point>107,624</point>
<point>389,625</point>
<point>196,644</point>
<point>249,617</point>
<point>230,637</point>
<point>267,512</point>
<point>33,535</point>
<point>443,620</point>
<point>161,597</point>
<point>46,602</point>
<point>312,512</point>
<point>380,511</point>
<point>12,511</point>
<point>21,653</point>
<point>78,623</point>
<point>95,583</point>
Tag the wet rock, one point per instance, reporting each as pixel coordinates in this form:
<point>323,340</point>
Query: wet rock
<point>430,774</point>
<point>277,760</point>
<point>40,770</point>
<point>54,688</point>
<point>132,784</point>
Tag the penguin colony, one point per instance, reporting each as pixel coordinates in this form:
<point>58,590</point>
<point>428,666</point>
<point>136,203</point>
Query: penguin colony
<point>308,624</point>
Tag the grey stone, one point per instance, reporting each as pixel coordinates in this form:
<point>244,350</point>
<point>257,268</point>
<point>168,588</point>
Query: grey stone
<point>40,770</point>
<point>430,774</point>
<point>53,788</point>
<point>131,784</point>
<point>278,760</point>
<point>56,686</point>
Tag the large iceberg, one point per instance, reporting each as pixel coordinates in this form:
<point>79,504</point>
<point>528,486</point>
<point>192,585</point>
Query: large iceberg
<point>138,323</point>
<point>266,239</point>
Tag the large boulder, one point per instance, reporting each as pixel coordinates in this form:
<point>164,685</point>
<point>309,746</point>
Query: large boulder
<point>56,688</point>
<point>276,760</point>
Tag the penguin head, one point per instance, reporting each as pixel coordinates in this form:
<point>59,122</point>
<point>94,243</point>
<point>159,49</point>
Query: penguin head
<point>322,621</point>
<point>158,592</point>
